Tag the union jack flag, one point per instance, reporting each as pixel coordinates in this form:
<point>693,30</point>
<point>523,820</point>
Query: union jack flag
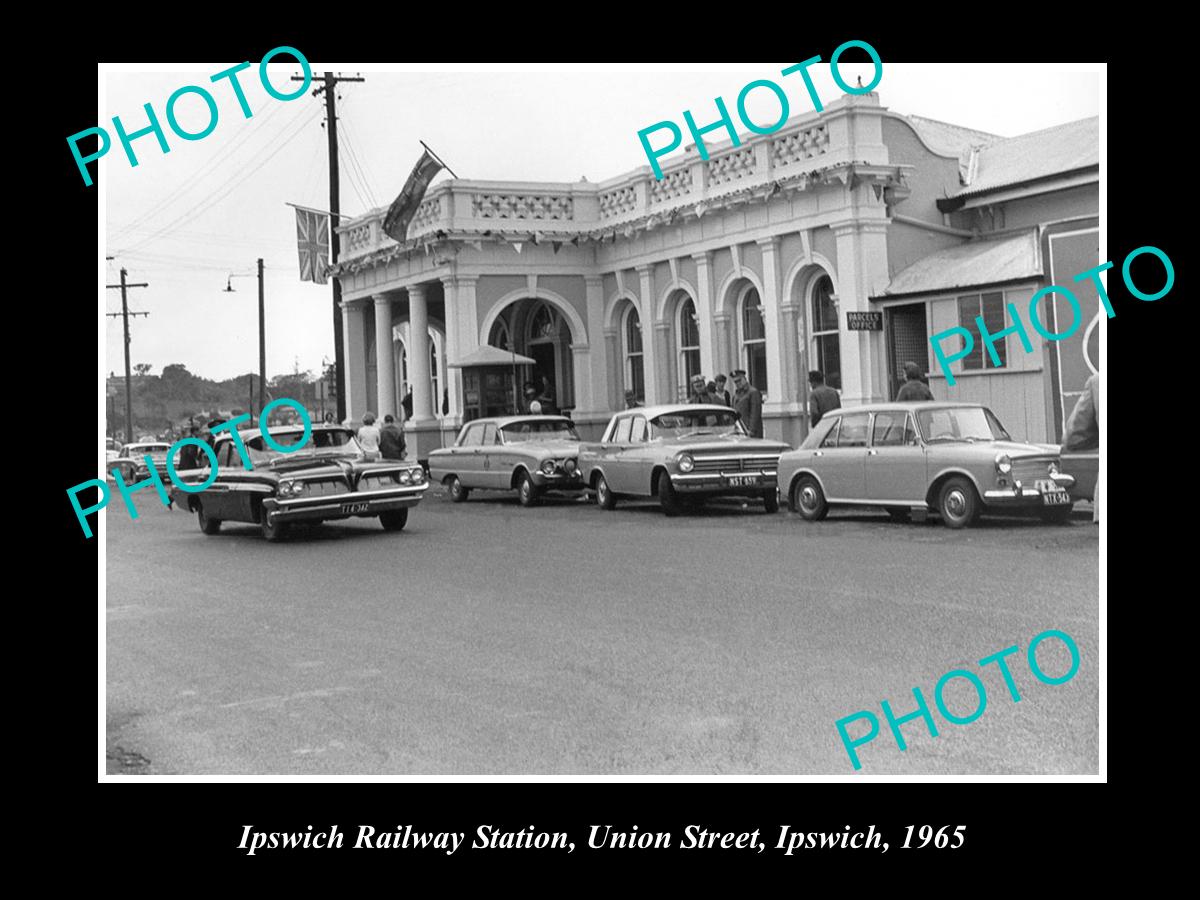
<point>312,241</point>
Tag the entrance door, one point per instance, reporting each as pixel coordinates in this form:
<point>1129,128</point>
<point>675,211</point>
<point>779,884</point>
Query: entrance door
<point>543,355</point>
<point>907,341</point>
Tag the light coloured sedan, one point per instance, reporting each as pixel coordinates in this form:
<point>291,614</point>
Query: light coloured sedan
<point>952,458</point>
<point>132,463</point>
<point>527,454</point>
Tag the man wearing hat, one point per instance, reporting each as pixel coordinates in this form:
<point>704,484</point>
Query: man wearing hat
<point>699,390</point>
<point>747,400</point>
<point>821,397</point>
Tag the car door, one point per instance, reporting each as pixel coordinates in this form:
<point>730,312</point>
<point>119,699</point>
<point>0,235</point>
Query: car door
<point>896,467</point>
<point>618,468</point>
<point>844,467</point>
<point>490,460</point>
<point>468,465</point>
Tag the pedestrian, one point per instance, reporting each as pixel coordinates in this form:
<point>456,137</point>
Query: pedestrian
<point>189,454</point>
<point>631,400</point>
<point>721,392</point>
<point>713,396</point>
<point>330,418</point>
<point>697,393</point>
<point>1083,430</point>
<point>747,400</point>
<point>391,439</point>
<point>914,387</point>
<point>406,405</point>
<point>821,397</point>
<point>368,436</point>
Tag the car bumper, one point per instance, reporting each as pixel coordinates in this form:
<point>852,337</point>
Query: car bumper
<point>342,506</point>
<point>559,481</point>
<point>1026,495</point>
<point>715,483</point>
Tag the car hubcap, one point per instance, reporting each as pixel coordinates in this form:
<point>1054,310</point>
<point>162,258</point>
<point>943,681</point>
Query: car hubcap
<point>956,503</point>
<point>602,489</point>
<point>808,497</point>
<point>525,489</point>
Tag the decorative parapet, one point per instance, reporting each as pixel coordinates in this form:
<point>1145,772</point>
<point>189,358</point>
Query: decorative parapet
<point>814,149</point>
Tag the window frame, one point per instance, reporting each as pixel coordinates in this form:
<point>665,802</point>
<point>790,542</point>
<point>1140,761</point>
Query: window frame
<point>866,434</point>
<point>683,351</point>
<point>967,364</point>
<point>629,355</point>
<point>816,337</point>
<point>909,427</point>
<point>745,343</point>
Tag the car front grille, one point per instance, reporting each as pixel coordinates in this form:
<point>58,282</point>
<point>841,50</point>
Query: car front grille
<point>735,464</point>
<point>1028,470</point>
<point>327,488</point>
<point>378,482</point>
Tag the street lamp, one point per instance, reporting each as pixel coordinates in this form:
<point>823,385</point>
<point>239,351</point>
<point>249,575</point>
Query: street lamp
<point>262,332</point>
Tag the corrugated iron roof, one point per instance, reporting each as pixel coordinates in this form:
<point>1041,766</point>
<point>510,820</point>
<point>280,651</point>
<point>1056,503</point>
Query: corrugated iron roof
<point>972,264</point>
<point>1051,151</point>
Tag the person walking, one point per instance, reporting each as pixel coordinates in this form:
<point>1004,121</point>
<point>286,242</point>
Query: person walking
<point>189,454</point>
<point>721,392</point>
<point>747,400</point>
<point>391,439</point>
<point>914,387</point>
<point>821,397</point>
<point>368,436</point>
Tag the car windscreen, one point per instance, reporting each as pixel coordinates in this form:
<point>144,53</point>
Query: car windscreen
<point>139,449</point>
<point>325,442</point>
<point>703,421</point>
<point>518,432</point>
<point>963,423</point>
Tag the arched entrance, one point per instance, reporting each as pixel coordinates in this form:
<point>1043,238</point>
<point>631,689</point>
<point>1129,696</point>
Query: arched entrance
<point>535,328</point>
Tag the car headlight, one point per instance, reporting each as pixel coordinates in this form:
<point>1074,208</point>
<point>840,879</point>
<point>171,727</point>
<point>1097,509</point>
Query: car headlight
<point>418,476</point>
<point>686,463</point>
<point>548,467</point>
<point>1003,463</point>
<point>285,488</point>
<point>406,477</point>
<point>570,466</point>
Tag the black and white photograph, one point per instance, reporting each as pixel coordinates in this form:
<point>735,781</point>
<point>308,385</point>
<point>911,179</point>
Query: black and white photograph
<point>603,422</point>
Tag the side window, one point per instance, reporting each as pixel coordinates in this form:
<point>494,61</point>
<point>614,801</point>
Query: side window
<point>489,434</point>
<point>638,433</point>
<point>889,429</point>
<point>910,431</point>
<point>830,439</point>
<point>226,456</point>
<point>472,436</point>
<point>853,432</point>
<point>621,436</point>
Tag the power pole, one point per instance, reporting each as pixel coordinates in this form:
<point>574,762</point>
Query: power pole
<point>262,344</point>
<point>125,314</point>
<point>329,87</point>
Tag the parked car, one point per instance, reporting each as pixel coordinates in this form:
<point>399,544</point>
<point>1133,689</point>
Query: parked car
<point>681,454</point>
<point>952,458</point>
<point>112,450</point>
<point>328,478</point>
<point>130,460</point>
<point>528,454</point>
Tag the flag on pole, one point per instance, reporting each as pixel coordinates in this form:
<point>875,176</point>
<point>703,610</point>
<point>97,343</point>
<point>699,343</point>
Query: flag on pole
<point>312,241</point>
<point>404,207</point>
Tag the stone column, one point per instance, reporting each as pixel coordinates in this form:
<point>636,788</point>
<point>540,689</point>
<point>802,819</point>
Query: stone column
<point>616,368</point>
<point>665,368</point>
<point>453,291</point>
<point>862,271</point>
<point>591,392</point>
<point>655,391</point>
<point>385,362</point>
<point>725,357</point>
<point>776,381</point>
<point>354,340</point>
<point>709,355</point>
<point>418,354</point>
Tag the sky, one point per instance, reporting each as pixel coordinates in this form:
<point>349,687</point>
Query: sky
<point>187,220</point>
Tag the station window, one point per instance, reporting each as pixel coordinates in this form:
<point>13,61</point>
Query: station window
<point>991,307</point>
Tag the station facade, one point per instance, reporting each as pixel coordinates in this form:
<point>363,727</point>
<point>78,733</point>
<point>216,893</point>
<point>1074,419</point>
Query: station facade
<point>840,242</point>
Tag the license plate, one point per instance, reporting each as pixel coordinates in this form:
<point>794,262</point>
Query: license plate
<point>351,508</point>
<point>743,480</point>
<point>1046,486</point>
<point>1056,498</point>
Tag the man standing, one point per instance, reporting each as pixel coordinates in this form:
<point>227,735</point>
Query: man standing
<point>631,400</point>
<point>407,405</point>
<point>391,439</point>
<point>699,392</point>
<point>368,436</point>
<point>821,397</point>
<point>1083,430</point>
<point>189,454</point>
<point>747,400</point>
<point>914,388</point>
<point>722,394</point>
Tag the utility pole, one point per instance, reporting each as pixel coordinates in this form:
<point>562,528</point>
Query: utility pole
<point>329,86</point>
<point>125,314</point>
<point>262,343</point>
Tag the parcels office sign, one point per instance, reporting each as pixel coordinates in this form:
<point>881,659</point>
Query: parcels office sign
<point>864,321</point>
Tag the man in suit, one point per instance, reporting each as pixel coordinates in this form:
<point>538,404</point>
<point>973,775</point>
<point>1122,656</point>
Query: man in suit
<point>747,400</point>
<point>821,397</point>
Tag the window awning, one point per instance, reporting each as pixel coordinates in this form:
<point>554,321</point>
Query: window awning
<point>487,355</point>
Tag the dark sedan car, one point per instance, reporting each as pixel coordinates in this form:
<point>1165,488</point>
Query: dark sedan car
<point>328,478</point>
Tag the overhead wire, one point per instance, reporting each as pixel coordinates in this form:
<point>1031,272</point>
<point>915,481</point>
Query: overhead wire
<point>351,176</point>
<point>364,163</point>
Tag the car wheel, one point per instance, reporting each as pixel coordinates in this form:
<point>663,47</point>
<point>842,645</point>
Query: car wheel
<point>809,500</point>
<point>958,503</point>
<point>1056,515</point>
<point>667,498</point>
<point>458,493</point>
<point>899,513</point>
<point>771,500</point>
<point>527,491</point>
<point>272,529</point>
<point>207,525</point>
<point>394,520</point>
<point>605,498</point>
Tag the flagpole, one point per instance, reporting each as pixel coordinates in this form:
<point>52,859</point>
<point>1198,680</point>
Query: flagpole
<point>438,158</point>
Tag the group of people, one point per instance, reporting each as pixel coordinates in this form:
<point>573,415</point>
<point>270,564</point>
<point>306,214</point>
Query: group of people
<point>380,441</point>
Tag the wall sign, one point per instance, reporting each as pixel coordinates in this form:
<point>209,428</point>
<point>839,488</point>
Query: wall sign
<point>864,321</point>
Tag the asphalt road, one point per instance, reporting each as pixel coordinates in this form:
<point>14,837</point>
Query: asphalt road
<point>491,639</point>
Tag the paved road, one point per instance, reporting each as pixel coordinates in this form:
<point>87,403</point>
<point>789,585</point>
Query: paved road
<point>491,639</point>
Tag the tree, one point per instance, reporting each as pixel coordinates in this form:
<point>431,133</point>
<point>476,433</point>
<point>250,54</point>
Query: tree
<point>142,369</point>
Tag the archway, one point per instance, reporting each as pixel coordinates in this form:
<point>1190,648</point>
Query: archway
<point>538,329</point>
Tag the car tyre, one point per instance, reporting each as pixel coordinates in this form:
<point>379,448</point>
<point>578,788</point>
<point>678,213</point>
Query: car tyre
<point>1056,515</point>
<point>273,531</point>
<point>458,493</point>
<point>527,491</point>
<point>207,525</point>
<point>771,500</point>
<point>605,498</point>
<point>667,498</point>
<point>809,500</point>
<point>394,520</point>
<point>958,503</point>
<point>899,513</point>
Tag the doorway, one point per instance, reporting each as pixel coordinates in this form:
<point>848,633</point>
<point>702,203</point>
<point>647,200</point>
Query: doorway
<point>907,341</point>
